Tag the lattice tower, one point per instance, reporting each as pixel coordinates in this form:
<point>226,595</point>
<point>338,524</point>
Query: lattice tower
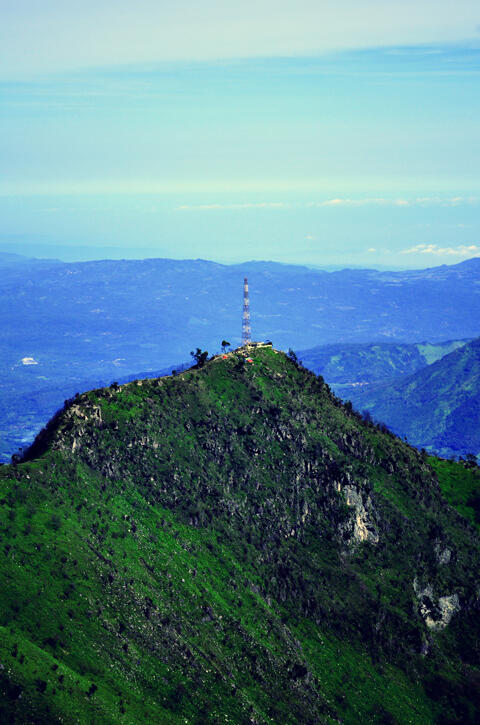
<point>246,315</point>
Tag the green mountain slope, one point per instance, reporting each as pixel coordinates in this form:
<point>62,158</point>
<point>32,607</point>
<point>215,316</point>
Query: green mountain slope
<point>437,408</point>
<point>351,364</point>
<point>233,545</point>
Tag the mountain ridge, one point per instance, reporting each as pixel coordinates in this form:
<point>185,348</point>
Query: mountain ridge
<point>344,364</point>
<point>88,322</point>
<point>436,407</point>
<point>233,544</point>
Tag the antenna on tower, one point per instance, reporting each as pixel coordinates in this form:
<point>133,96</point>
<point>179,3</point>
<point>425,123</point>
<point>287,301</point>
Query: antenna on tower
<point>246,315</point>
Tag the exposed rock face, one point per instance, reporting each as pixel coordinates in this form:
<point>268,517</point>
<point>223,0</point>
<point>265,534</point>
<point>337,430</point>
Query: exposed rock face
<point>448,605</point>
<point>362,526</point>
<point>436,612</point>
<point>82,413</point>
<point>443,555</point>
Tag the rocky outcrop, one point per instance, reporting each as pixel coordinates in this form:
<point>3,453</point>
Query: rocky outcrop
<point>360,526</point>
<point>437,612</point>
<point>443,554</point>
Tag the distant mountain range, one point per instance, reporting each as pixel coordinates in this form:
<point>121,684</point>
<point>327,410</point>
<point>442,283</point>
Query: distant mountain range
<point>356,364</point>
<point>69,326</point>
<point>437,407</point>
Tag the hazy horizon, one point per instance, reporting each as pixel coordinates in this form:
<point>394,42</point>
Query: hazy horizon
<point>59,253</point>
<point>310,133</point>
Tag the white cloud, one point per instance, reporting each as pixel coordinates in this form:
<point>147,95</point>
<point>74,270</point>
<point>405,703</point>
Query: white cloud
<point>221,207</point>
<point>462,250</point>
<point>56,35</point>
<point>335,202</point>
<point>363,202</point>
<point>234,187</point>
<point>284,205</point>
<point>372,249</point>
<point>417,201</point>
<point>448,201</point>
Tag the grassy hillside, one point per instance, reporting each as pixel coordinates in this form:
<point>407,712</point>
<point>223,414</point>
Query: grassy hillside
<point>232,545</point>
<point>437,408</point>
<point>460,484</point>
<point>29,399</point>
<point>347,364</point>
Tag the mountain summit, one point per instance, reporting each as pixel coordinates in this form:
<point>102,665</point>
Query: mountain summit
<point>233,544</point>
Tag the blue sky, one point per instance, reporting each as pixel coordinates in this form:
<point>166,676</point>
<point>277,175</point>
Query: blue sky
<point>317,133</point>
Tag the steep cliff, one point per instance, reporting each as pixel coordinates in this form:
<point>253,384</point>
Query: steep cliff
<point>233,544</point>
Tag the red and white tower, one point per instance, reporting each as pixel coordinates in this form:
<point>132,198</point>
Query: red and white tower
<point>246,315</point>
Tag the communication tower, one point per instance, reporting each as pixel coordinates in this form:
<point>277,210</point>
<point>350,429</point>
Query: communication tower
<point>246,315</point>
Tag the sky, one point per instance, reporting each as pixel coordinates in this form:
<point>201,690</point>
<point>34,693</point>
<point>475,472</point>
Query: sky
<point>321,133</point>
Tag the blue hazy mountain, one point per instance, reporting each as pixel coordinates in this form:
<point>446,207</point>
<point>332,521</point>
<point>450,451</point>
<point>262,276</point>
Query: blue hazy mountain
<point>351,365</point>
<point>437,407</point>
<point>69,326</point>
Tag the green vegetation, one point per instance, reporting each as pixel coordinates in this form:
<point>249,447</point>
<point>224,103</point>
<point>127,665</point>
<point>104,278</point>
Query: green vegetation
<point>233,544</point>
<point>200,357</point>
<point>433,352</point>
<point>436,408</point>
<point>460,484</point>
<point>346,364</point>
